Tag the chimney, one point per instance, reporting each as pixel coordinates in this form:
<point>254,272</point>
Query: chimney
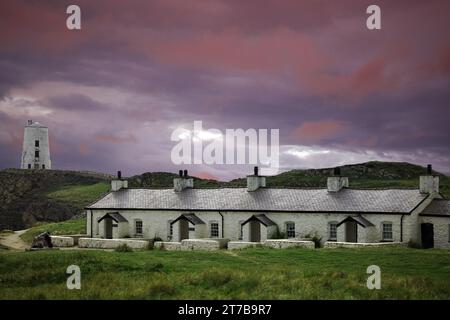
<point>255,181</point>
<point>183,181</point>
<point>119,183</point>
<point>429,183</point>
<point>29,122</point>
<point>336,182</point>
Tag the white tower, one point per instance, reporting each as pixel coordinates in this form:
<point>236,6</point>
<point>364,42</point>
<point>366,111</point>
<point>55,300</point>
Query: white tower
<point>36,150</point>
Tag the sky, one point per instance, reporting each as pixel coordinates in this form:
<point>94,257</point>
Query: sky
<point>113,92</point>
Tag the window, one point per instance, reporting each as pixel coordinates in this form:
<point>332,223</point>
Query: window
<point>387,231</point>
<point>43,166</point>
<point>138,227</point>
<point>36,143</point>
<point>169,229</point>
<point>29,166</point>
<point>214,230</point>
<point>290,229</point>
<point>332,231</point>
<point>36,154</point>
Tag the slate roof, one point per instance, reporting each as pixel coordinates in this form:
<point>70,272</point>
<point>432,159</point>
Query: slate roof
<point>437,207</point>
<point>264,199</point>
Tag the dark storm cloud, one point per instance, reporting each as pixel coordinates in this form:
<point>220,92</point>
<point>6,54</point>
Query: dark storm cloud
<point>113,92</point>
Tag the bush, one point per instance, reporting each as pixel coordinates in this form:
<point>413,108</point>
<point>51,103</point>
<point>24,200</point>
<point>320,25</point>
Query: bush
<point>123,248</point>
<point>414,245</point>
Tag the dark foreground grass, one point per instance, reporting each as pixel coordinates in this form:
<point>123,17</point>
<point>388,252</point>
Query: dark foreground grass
<point>247,274</point>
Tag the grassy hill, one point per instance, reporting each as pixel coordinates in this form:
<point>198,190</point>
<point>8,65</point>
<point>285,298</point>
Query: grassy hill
<point>29,197</point>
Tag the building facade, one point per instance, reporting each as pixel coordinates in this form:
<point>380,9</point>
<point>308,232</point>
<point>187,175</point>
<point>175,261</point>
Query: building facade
<point>36,149</point>
<point>256,213</point>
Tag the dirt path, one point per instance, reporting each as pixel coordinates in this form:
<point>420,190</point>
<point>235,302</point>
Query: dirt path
<point>13,240</point>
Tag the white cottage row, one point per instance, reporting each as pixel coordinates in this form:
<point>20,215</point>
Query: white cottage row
<point>256,213</point>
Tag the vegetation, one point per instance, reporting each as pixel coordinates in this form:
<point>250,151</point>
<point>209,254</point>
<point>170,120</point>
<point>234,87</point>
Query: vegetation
<point>79,195</point>
<point>74,226</point>
<point>282,274</point>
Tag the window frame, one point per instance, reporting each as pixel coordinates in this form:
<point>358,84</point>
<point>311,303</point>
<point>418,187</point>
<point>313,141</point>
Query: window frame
<point>136,227</point>
<point>332,223</point>
<point>287,230</point>
<point>383,238</point>
<point>215,223</point>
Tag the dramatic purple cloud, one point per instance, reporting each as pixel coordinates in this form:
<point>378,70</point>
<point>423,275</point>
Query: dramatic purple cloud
<point>112,93</point>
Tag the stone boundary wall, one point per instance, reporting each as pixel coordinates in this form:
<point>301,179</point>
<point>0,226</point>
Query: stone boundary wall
<point>332,244</point>
<point>288,243</point>
<point>193,244</point>
<point>112,243</point>
<point>62,241</point>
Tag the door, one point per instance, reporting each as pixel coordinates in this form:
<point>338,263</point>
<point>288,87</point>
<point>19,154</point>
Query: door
<point>108,228</point>
<point>255,231</point>
<point>184,229</point>
<point>427,231</point>
<point>351,231</point>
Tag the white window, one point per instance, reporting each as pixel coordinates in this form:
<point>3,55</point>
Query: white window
<point>332,231</point>
<point>138,227</point>
<point>387,231</point>
<point>214,230</point>
<point>290,229</point>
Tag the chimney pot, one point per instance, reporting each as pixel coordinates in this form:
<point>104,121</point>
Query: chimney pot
<point>119,175</point>
<point>255,170</point>
<point>180,173</point>
<point>185,173</point>
<point>30,122</point>
<point>429,169</point>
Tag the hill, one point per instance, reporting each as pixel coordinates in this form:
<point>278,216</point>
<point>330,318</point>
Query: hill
<point>28,197</point>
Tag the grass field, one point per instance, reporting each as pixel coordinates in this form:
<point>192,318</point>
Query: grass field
<point>258,273</point>
<point>79,195</point>
<point>75,226</point>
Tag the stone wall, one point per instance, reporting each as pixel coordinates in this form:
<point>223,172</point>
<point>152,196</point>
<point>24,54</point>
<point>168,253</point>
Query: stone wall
<point>62,241</point>
<point>112,243</point>
<point>288,243</point>
<point>333,244</point>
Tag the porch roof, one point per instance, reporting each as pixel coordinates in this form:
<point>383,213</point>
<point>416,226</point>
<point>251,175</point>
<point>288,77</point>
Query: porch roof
<point>117,217</point>
<point>363,222</point>
<point>262,218</point>
<point>191,217</point>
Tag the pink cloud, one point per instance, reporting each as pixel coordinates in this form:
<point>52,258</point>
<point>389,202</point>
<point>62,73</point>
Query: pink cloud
<point>314,131</point>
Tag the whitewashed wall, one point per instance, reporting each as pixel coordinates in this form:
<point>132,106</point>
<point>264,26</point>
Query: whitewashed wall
<point>441,230</point>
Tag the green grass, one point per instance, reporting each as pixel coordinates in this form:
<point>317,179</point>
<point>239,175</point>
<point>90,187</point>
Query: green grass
<point>75,226</point>
<point>79,195</point>
<point>258,273</point>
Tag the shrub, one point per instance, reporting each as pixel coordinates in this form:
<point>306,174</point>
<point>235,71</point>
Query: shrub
<point>123,248</point>
<point>414,245</point>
